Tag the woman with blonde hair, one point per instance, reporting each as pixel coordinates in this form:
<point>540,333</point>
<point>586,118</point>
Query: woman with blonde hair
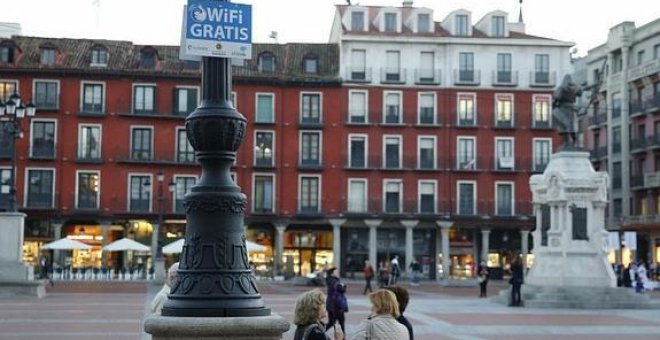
<point>382,324</point>
<point>309,316</point>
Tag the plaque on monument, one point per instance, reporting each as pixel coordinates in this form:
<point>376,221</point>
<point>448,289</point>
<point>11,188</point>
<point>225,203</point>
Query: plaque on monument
<point>545,223</point>
<point>579,223</point>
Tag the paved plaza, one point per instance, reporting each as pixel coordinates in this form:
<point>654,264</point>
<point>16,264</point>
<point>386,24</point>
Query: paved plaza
<point>109,310</point>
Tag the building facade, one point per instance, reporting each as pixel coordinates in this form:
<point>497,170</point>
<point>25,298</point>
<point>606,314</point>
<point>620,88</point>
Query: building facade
<point>622,127</point>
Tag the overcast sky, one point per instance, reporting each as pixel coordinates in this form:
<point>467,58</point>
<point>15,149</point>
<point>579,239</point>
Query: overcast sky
<point>158,22</point>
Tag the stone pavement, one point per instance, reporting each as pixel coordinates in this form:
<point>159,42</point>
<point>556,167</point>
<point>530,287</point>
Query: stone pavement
<point>109,310</point>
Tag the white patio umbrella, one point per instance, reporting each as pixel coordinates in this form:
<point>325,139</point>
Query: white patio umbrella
<point>126,244</point>
<point>66,244</point>
<point>177,246</point>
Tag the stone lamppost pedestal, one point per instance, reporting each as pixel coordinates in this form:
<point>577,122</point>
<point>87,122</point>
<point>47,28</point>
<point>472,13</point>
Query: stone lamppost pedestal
<point>244,328</point>
<point>15,277</point>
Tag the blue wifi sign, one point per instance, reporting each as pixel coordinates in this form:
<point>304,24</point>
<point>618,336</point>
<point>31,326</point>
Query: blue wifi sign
<point>218,29</point>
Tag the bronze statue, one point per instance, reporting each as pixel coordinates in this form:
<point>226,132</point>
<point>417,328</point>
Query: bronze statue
<point>564,113</point>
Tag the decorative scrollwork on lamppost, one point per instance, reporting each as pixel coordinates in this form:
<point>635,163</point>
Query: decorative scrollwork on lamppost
<point>12,114</point>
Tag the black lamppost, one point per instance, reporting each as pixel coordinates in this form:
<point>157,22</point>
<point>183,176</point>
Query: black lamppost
<point>156,249</point>
<point>12,114</point>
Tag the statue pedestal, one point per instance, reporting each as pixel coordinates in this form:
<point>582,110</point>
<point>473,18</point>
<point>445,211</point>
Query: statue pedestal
<point>191,328</point>
<point>15,277</point>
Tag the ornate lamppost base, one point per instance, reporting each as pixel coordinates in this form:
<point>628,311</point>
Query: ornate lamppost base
<point>187,328</point>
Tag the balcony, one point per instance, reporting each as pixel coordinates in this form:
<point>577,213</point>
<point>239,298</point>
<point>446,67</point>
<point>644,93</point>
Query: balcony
<point>392,76</point>
<point>652,104</point>
<point>467,122</point>
<point>358,117</point>
<point>467,77</point>
<point>358,75</point>
<point>505,78</point>
<point>427,77</point>
<point>468,164</point>
<point>597,120</point>
<point>308,164</point>
<point>361,163</point>
<point>505,164</point>
<point>426,117</point>
<point>541,125</point>
<point>648,68</point>
<point>542,79</point>
<point>598,153</point>
<point>539,167</point>
<point>43,150</point>
<point>638,145</point>
<point>264,162</point>
<point>653,142</point>
<point>636,109</point>
<point>652,180</point>
<point>310,123</point>
<point>504,124</point>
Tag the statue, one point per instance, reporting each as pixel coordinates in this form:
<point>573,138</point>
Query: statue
<point>564,113</point>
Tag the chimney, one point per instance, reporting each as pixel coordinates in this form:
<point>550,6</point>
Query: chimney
<point>407,3</point>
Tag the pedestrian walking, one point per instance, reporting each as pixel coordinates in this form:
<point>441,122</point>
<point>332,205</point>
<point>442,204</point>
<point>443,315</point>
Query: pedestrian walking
<point>336,304</point>
<point>482,277</point>
<point>350,267</point>
<point>368,276</point>
<point>395,270</point>
<point>43,269</point>
<point>415,269</point>
<point>161,296</point>
<point>309,317</point>
<point>516,282</point>
<point>402,298</point>
<point>383,274</point>
<point>381,323</point>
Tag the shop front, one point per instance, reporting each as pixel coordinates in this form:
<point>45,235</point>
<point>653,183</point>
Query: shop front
<point>262,262</point>
<point>36,233</point>
<point>355,244</point>
<point>504,246</point>
<point>307,250</point>
<point>462,253</point>
<point>424,250</point>
<point>89,234</point>
<point>391,241</point>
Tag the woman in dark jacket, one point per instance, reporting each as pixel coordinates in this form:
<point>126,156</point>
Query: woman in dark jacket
<point>516,282</point>
<point>336,304</point>
<point>308,316</point>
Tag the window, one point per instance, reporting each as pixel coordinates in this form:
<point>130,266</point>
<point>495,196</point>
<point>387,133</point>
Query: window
<point>263,149</point>
<point>7,88</point>
<point>6,183</point>
<point>357,21</point>
<point>504,110</point>
<point>46,94</point>
<point>426,152</point>
<point>263,194</point>
<point>466,153</point>
<point>267,62</point>
<point>47,56</point>
<point>311,64</point>
<point>504,68</point>
<point>392,72</point>
<point>656,51</point>
<point>139,193</point>
<point>504,153</point>
<point>616,105</point>
<point>89,189</point>
<point>616,175</point>
<point>6,140</point>
<point>541,111</point>
<point>616,139</point>
<point>43,139</point>
<point>358,107</point>
<point>265,108</point>
<point>40,188</point>
<point>93,101</point>
<point>309,194</point>
<point>182,187</point>
<point>498,26</point>
<point>542,69</point>
<point>99,56</point>
<point>542,152</point>
<point>466,198</point>
<point>310,110</point>
<point>6,53</point>
<point>390,22</point>
<point>310,148</point>
<point>144,98</point>
<point>148,59</point>
<point>357,195</point>
<point>466,114</point>
<point>392,195</point>
<point>461,27</point>
<point>141,144</point>
<point>392,108</point>
<point>358,65</point>
<point>427,68</point>
<point>89,142</point>
<point>423,22</point>
<point>427,190</point>
<point>640,57</point>
<point>504,199</point>
<point>357,151</point>
<point>617,207</point>
<point>184,151</point>
<point>185,100</point>
<point>466,65</point>
<point>392,152</point>
<point>426,108</point>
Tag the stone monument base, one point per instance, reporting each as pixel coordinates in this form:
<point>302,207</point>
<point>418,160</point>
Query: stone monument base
<point>572,297</point>
<point>190,328</point>
<point>17,279</point>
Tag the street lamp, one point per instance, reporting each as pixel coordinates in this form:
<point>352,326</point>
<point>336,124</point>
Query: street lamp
<point>156,249</point>
<point>12,114</point>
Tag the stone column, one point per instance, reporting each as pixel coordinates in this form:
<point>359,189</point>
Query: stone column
<point>410,225</point>
<point>524,251</point>
<point>57,254</point>
<point>105,228</point>
<point>373,241</point>
<point>336,241</point>
<point>485,244</point>
<point>279,248</point>
<point>446,261</point>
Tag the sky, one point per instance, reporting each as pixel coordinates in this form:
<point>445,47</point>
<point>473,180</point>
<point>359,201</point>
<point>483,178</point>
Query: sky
<point>158,22</point>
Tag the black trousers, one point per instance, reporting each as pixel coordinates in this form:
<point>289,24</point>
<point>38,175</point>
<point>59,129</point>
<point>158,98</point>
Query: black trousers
<point>482,287</point>
<point>515,294</point>
<point>334,317</point>
<point>367,286</point>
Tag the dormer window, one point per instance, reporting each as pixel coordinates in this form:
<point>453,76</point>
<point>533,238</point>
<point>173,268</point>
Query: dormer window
<point>423,23</point>
<point>498,26</point>
<point>148,58</point>
<point>311,64</point>
<point>390,22</point>
<point>7,53</point>
<point>99,56</point>
<point>357,21</point>
<point>48,56</point>
<point>267,62</point>
<point>461,23</point>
